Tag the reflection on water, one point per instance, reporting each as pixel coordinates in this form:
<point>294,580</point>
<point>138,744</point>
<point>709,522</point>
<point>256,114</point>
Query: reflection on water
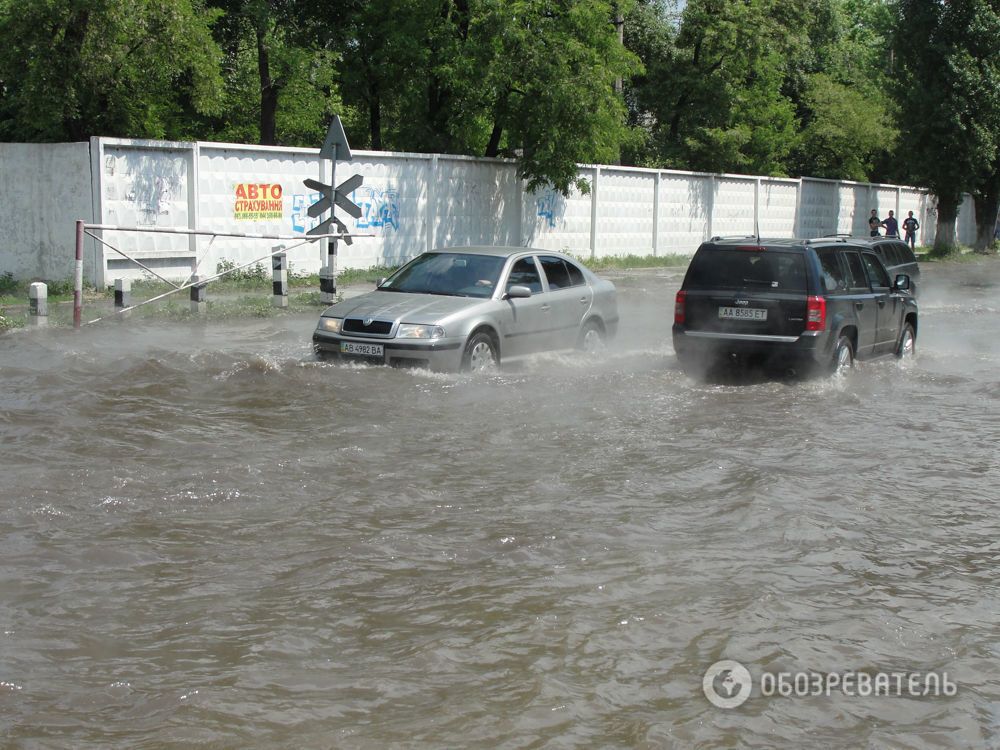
<point>209,538</point>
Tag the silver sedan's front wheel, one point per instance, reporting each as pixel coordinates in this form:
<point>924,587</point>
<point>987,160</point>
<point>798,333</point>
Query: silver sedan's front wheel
<point>480,353</point>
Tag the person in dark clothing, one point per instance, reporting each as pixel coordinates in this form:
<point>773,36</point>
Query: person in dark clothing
<point>910,227</point>
<point>891,226</point>
<point>874,223</point>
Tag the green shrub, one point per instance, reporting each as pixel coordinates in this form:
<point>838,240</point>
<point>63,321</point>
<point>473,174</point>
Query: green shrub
<point>8,285</point>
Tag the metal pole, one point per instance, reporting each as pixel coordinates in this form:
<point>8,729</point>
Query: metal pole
<point>78,277</point>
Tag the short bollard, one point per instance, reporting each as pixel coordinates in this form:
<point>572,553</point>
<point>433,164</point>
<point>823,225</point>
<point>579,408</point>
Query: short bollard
<point>279,277</point>
<point>123,295</point>
<point>327,286</point>
<point>38,304</point>
<point>197,295</point>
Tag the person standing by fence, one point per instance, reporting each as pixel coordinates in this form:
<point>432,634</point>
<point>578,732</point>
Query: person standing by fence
<point>874,223</point>
<point>891,226</point>
<point>910,227</point>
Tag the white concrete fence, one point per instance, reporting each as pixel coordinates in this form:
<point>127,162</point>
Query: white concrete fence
<point>410,203</point>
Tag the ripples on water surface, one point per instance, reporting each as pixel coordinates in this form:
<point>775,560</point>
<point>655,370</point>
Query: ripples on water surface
<point>208,539</point>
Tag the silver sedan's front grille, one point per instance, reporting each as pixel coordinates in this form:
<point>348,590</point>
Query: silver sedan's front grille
<point>360,327</point>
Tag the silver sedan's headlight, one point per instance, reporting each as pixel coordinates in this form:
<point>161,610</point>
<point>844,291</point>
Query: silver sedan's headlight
<point>332,325</point>
<point>411,331</point>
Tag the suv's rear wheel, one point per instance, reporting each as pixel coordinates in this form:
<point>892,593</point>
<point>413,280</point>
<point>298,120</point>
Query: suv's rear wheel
<point>843,357</point>
<point>907,348</point>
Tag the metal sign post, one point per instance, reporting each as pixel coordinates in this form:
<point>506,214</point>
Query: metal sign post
<point>335,148</point>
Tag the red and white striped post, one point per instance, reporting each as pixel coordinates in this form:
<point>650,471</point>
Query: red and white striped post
<point>78,277</point>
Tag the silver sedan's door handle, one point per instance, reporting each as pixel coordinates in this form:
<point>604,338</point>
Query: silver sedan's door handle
<point>584,300</point>
<point>544,308</point>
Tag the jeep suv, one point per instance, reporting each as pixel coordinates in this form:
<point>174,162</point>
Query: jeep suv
<point>808,305</point>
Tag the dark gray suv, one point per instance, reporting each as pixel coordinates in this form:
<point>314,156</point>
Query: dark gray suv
<point>808,305</point>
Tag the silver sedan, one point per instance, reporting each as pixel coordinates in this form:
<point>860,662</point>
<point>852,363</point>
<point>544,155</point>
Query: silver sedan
<point>466,308</point>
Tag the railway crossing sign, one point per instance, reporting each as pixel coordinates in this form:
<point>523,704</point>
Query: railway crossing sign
<point>334,196</point>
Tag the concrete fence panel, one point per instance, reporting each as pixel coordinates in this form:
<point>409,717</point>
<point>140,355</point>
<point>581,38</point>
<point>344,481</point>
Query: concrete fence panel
<point>777,204</point>
<point>625,212</point>
<point>685,212</point>
<point>44,188</point>
<point>733,206</point>
<point>409,203</point>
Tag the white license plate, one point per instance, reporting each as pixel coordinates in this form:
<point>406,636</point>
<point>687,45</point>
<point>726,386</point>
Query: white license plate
<point>743,313</point>
<point>365,350</point>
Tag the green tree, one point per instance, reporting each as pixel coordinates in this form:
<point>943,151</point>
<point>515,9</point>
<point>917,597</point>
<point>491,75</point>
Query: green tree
<point>949,55</point>
<point>722,106</point>
<point>279,84</point>
<point>531,79</point>
<point>844,131</point>
<point>70,69</point>
<point>846,98</point>
<point>550,86</point>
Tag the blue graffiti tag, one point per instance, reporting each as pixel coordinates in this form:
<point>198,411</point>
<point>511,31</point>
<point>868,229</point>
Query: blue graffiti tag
<point>547,207</point>
<point>301,221</point>
<point>379,208</point>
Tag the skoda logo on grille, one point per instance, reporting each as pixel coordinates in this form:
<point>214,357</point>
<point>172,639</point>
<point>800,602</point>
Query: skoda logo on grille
<point>368,321</point>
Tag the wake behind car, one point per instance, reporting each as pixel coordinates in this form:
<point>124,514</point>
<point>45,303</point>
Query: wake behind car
<point>810,305</point>
<point>468,308</point>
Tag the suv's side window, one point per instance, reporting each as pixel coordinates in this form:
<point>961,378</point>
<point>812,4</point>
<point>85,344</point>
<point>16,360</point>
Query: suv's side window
<point>856,277</point>
<point>876,273</point>
<point>832,276</point>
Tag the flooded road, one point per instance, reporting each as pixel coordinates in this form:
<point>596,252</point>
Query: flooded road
<point>208,539</point>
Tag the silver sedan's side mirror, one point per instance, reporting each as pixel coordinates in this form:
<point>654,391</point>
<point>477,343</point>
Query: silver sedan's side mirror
<point>517,292</point>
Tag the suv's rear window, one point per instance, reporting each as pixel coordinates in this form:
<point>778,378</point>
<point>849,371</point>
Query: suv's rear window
<point>747,269</point>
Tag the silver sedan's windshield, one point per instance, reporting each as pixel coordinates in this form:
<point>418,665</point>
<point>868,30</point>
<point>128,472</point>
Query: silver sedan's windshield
<point>452,274</point>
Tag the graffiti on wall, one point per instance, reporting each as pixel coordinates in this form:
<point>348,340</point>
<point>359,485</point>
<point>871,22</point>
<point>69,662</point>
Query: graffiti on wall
<point>149,186</point>
<point>379,208</point>
<point>257,201</point>
<point>548,203</point>
<point>301,220</point>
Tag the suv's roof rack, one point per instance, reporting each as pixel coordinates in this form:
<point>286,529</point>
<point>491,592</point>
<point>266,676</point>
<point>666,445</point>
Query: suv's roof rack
<point>733,237</point>
<point>829,238</point>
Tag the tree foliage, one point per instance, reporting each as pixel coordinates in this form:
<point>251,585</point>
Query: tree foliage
<point>138,68</point>
<point>950,60</point>
<point>901,90</point>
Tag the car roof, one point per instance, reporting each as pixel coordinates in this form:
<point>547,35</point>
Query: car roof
<point>795,243</point>
<point>499,251</point>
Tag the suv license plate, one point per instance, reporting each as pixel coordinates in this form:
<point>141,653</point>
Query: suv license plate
<point>743,313</point>
<point>365,350</point>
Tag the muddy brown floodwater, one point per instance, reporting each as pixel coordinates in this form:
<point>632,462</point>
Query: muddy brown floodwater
<point>209,539</point>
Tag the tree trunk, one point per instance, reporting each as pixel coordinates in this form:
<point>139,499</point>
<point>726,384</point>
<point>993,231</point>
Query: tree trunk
<point>74,37</point>
<point>947,212</point>
<point>375,116</point>
<point>268,93</point>
<point>493,147</point>
<point>987,203</point>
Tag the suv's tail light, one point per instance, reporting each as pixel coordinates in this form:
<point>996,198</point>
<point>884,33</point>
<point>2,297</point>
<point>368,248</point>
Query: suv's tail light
<point>679,307</point>
<point>815,313</point>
